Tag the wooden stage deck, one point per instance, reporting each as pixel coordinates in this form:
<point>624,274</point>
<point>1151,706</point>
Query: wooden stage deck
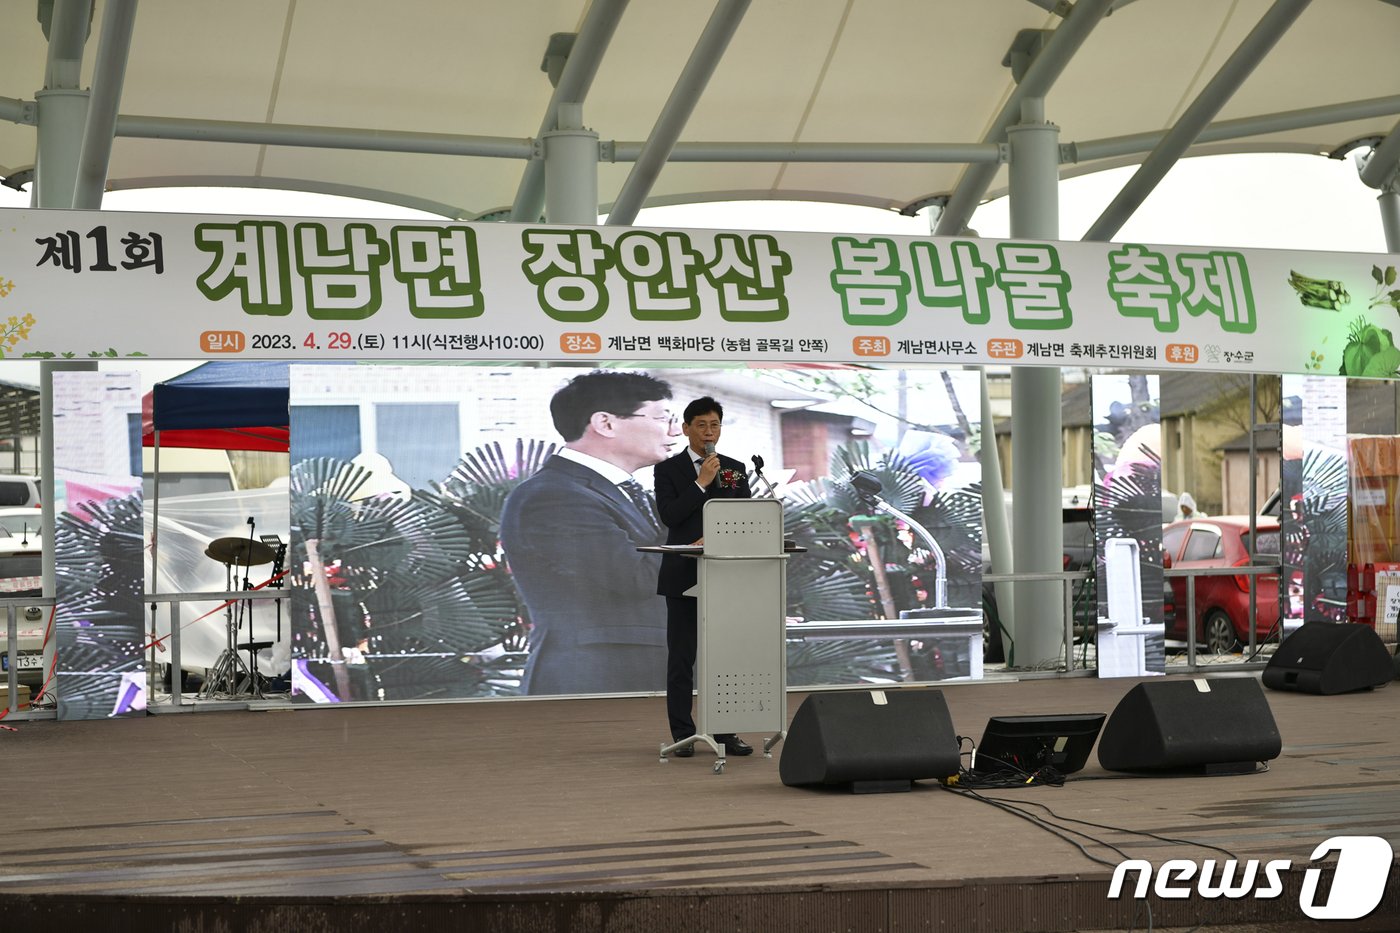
<point>557,815</point>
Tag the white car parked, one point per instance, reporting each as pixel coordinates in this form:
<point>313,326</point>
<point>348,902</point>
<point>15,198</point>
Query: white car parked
<point>21,574</point>
<point>19,491</point>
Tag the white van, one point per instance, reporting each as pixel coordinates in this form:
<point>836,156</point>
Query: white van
<point>19,490</point>
<point>186,471</point>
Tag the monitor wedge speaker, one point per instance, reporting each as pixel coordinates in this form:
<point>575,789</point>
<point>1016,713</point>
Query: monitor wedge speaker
<point>1218,726</point>
<point>872,741</point>
<point>1330,657</point>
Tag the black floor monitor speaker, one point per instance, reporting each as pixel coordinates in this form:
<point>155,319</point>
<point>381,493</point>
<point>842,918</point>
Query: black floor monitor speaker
<point>873,740</point>
<point>1218,726</point>
<point>1330,657</point>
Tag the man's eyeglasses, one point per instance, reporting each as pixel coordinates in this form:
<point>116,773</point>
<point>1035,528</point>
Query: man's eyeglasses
<point>668,420</point>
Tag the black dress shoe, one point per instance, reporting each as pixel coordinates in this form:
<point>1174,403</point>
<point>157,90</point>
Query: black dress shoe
<point>687,751</point>
<point>733,745</point>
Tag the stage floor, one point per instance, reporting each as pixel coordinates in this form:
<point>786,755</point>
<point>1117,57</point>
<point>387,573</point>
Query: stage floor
<point>557,814</point>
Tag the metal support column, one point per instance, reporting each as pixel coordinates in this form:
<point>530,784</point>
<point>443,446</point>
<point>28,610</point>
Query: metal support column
<point>571,170</point>
<point>61,108</point>
<point>1389,202</point>
<point>61,115</point>
<point>1381,165</point>
<point>1049,62</point>
<point>1036,465</point>
<point>574,81</point>
<point>994,517</point>
<point>1381,170</point>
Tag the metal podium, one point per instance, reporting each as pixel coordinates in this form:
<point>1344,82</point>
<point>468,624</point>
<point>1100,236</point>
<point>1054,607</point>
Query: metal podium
<point>741,649</point>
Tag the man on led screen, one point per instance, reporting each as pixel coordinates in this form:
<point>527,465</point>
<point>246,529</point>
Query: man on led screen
<point>571,534</point>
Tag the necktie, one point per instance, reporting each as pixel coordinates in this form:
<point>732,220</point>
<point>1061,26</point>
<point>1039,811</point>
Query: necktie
<point>641,500</point>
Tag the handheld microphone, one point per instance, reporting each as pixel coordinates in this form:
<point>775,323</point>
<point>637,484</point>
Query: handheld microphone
<point>709,450</point>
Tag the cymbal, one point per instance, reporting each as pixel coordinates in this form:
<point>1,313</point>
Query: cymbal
<point>239,551</point>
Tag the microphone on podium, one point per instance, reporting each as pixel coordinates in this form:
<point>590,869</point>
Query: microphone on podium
<point>758,472</point>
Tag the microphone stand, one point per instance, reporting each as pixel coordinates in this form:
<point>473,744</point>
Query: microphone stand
<point>248,608</point>
<point>868,488</point>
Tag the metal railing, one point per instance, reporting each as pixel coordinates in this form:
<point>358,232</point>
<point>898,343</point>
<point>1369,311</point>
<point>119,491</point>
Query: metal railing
<point>175,602</point>
<point>1068,579</point>
<point>12,606</point>
<point>1191,573</point>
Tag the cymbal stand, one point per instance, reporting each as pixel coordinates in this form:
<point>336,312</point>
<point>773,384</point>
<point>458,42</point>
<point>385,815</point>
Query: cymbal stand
<point>227,676</point>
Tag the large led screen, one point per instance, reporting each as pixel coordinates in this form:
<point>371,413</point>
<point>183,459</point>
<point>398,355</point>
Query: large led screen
<point>439,547</point>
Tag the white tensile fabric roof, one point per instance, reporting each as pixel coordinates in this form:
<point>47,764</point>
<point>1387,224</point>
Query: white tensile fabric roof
<point>796,71</point>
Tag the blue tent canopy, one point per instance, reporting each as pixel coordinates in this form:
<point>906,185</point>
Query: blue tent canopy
<point>234,405</point>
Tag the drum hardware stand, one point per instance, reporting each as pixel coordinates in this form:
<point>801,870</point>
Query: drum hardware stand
<point>230,676</point>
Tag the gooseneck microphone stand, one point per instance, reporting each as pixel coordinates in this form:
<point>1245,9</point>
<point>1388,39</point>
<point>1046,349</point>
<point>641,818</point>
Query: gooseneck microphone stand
<point>868,486</point>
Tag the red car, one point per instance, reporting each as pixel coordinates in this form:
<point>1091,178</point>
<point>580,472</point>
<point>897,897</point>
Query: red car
<point>1222,602</point>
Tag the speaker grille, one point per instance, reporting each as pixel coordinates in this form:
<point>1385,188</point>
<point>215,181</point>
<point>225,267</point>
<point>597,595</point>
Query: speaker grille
<point>1329,658</point>
<point>1198,725</point>
<point>842,738</point>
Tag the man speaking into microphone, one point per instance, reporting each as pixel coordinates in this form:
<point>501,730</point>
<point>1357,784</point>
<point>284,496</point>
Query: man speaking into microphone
<point>683,484</point>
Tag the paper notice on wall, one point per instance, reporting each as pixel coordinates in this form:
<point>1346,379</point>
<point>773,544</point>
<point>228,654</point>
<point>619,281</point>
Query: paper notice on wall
<point>1370,497</point>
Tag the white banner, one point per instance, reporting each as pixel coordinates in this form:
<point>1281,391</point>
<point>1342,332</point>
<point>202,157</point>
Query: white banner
<point>77,284</point>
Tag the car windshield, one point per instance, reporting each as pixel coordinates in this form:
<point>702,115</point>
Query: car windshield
<point>17,526</point>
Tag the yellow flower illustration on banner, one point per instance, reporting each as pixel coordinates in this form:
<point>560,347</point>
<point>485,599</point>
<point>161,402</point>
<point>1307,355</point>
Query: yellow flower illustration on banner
<point>15,328</point>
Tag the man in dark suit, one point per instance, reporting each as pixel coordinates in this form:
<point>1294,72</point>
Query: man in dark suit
<point>570,533</point>
<point>684,483</point>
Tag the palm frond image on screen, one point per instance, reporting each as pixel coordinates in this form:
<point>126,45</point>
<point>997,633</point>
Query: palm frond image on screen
<point>401,605</point>
<point>98,622</point>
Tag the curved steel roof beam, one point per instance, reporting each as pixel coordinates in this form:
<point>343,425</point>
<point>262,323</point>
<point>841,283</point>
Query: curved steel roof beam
<point>704,58</point>
<point>1239,66</point>
<point>109,73</point>
<point>1042,73</point>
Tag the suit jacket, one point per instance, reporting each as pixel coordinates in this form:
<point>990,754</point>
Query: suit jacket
<point>681,505</point>
<point>571,539</point>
